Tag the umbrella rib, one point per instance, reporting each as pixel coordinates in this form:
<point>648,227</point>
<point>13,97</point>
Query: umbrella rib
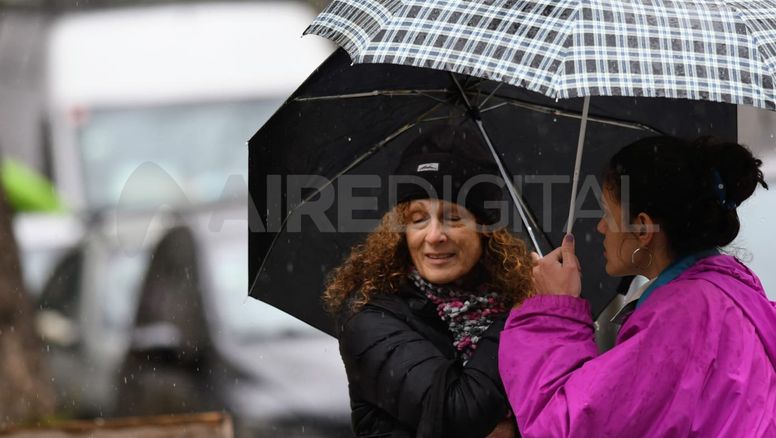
<point>391,93</point>
<point>436,119</point>
<point>436,99</point>
<point>371,151</point>
<point>491,94</point>
<point>575,115</point>
<point>516,198</point>
<point>510,101</point>
<point>561,113</point>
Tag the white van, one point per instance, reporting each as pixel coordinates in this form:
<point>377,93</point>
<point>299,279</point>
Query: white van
<point>113,75</point>
<point>150,110</point>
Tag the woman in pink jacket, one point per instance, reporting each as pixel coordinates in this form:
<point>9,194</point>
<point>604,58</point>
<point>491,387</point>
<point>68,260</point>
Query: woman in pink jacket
<point>696,355</point>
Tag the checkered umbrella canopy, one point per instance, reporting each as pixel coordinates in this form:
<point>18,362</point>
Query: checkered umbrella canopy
<point>720,50</point>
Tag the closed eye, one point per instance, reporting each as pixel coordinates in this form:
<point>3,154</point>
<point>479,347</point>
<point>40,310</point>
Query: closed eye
<point>417,219</point>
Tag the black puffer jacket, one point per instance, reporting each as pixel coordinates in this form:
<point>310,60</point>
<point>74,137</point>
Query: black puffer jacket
<point>405,377</point>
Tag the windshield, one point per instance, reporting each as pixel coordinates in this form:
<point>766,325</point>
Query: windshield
<point>238,314</point>
<point>193,148</point>
<point>119,302</point>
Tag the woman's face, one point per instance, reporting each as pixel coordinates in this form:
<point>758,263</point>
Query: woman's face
<point>619,242</point>
<point>443,241</point>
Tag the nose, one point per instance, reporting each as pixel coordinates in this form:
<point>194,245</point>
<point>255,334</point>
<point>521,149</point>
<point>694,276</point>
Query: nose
<point>601,227</point>
<point>436,232</point>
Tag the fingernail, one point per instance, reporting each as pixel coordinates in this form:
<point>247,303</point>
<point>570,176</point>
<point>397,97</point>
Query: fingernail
<point>569,238</point>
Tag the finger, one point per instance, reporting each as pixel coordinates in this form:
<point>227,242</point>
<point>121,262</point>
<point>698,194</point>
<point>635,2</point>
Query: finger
<point>535,257</point>
<point>567,250</point>
<point>554,256</point>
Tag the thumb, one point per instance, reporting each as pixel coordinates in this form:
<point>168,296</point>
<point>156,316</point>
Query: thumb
<point>567,251</point>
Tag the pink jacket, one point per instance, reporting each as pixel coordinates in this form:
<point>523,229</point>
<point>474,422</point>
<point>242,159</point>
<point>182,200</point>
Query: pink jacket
<point>697,358</point>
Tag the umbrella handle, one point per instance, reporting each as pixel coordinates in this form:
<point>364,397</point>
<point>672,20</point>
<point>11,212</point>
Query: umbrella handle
<point>578,163</point>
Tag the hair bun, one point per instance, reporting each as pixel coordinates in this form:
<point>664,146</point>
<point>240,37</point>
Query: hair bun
<point>738,168</point>
<point>677,182</point>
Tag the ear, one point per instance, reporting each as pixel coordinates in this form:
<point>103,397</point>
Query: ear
<point>645,228</point>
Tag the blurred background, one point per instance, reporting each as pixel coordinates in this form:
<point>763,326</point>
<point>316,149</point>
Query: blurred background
<point>123,270</point>
<point>123,133</point>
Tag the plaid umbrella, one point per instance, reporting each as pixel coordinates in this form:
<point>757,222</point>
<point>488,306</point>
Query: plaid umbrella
<point>693,49</point>
<point>723,51</point>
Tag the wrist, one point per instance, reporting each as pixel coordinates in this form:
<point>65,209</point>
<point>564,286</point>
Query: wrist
<point>564,305</point>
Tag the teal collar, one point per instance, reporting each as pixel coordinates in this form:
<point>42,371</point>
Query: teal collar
<point>674,270</point>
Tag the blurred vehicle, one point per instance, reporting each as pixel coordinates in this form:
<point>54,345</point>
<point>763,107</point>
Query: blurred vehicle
<point>199,335</point>
<point>756,244</point>
<point>150,109</point>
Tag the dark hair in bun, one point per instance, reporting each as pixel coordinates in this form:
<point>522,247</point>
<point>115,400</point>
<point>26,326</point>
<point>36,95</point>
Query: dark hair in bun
<point>691,189</point>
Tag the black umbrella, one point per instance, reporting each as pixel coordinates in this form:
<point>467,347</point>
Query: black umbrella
<point>354,120</point>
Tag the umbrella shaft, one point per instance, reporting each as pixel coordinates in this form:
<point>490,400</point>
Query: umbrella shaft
<point>578,163</point>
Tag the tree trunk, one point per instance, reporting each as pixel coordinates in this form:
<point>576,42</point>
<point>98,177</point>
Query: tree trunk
<point>26,392</point>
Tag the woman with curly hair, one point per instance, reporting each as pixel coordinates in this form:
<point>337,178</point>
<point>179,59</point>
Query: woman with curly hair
<point>421,302</point>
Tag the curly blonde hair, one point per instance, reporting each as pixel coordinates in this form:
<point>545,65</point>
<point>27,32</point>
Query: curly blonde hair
<point>381,263</point>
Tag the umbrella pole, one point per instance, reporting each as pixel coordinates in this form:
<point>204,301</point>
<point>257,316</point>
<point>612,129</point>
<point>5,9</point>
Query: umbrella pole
<point>578,163</point>
<point>517,199</point>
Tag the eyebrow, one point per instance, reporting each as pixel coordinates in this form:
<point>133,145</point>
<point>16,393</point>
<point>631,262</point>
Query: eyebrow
<point>417,208</point>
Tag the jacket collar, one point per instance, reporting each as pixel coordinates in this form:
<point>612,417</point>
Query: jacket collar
<point>674,270</point>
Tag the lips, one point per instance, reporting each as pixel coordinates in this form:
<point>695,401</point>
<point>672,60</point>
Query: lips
<point>439,258</point>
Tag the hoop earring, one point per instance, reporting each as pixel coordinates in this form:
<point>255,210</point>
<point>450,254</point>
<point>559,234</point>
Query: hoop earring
<point>636,251</point>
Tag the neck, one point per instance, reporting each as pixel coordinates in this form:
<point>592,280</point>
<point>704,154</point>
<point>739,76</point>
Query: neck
<point>660,262</point>
<point>655,269</point>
